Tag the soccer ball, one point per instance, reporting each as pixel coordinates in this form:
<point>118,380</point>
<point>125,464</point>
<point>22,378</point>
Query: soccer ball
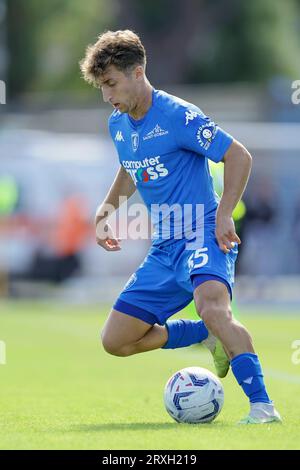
<point>193,395</point>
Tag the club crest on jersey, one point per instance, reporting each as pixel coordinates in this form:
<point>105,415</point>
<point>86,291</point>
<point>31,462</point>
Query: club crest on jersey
<point>135,141</point>
<point>206,134</point>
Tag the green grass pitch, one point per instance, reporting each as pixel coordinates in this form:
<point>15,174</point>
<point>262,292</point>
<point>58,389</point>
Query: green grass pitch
<point>60,390</point>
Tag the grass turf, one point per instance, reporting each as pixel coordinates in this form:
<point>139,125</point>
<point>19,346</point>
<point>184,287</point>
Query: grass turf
<point>60,390</point>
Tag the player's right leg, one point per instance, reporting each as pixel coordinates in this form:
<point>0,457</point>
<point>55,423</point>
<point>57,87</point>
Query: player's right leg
<point>138,321</point>
<point>124,335</point>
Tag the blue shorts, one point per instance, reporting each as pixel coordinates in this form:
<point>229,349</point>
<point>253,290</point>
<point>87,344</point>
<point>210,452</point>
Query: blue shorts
<point>164,282</point>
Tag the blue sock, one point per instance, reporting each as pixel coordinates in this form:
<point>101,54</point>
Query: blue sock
<point>247,371</point>
<point>184,333</point>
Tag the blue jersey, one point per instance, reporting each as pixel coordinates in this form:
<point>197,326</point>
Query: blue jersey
<point>166,155</point>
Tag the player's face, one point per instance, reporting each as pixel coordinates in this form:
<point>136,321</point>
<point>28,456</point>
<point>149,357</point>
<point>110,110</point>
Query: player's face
<point>120,89</point>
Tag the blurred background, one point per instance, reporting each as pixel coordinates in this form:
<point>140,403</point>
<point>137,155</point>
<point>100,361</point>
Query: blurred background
<point>234,59</point>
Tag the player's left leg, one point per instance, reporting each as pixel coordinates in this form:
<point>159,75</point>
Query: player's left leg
<point>213,303</point>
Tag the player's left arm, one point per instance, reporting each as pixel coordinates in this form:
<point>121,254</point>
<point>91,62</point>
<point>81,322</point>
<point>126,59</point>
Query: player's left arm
<point>237,166</point>
<point>196,132</point>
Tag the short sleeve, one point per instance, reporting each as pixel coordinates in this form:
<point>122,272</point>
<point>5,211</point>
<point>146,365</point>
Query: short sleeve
<point>198,133</point>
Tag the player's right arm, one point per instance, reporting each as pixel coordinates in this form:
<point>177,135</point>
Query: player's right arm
<point>122,186</point>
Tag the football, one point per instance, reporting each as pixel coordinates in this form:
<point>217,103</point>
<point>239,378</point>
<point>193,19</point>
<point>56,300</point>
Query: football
<point>193,395</point>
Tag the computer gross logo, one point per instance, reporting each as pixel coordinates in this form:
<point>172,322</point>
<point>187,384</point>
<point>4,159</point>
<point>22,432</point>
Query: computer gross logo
<point>149,169</point>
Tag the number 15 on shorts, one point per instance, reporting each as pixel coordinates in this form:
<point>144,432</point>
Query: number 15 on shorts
<point>198,259</point>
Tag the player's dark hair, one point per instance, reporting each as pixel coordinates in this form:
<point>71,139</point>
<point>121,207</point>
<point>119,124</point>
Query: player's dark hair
<point>123,49</point>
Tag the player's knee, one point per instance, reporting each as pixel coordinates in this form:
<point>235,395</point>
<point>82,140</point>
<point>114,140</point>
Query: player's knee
<point>108,345</point>
<point>213,306</point>
<point>215,315</point>
<point>114,350</point>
